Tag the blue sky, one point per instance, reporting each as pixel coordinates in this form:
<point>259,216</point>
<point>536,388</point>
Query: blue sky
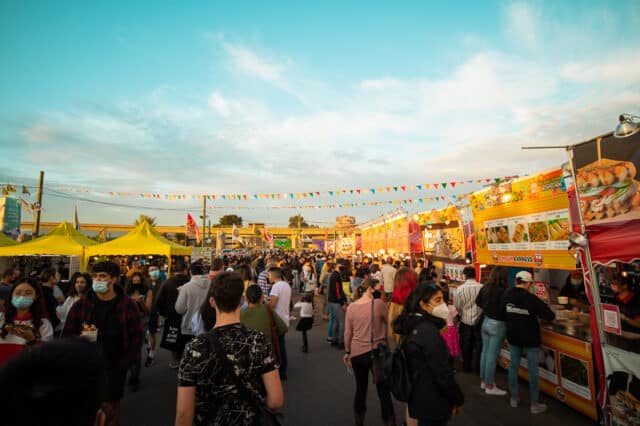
<point>228,97</point>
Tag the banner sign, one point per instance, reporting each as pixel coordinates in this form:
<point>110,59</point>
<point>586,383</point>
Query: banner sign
<point>524,223</point>
<point>10,215</point>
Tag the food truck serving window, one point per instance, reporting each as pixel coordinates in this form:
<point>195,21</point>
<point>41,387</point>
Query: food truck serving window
<point>619,285</point>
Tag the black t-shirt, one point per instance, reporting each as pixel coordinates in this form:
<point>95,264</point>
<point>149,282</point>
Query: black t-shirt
<point>50,303</point>
<point>630,307</point>
<point>574,292</point>
<point>105,318</point>
<point>522,310</point>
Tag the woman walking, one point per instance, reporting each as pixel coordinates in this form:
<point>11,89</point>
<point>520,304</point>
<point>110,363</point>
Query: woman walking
<point>403,284</point>
<point>435,394</point>
<point>365,331</point>
<point>79,285</point>
<point>493,327</point>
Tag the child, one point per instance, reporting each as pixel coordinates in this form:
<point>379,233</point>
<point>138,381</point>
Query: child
<point>306,318</point>
<point>450,333</point>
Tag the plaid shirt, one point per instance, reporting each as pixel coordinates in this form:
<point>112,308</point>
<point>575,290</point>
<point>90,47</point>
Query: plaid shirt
<point>263,282</point>
<point>128,317</point>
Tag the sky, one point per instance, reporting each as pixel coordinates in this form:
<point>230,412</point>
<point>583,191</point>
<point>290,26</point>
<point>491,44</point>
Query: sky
<point>284,97</point>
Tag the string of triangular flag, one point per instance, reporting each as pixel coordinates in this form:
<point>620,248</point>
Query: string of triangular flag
<point>291,195</point>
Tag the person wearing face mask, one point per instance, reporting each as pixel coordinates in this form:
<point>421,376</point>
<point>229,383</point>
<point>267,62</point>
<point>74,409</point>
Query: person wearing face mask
<point>574,289</point>
<point>24,321</point>
<point>138,290</point>
<point>79,285</point>
<point>119,334</point>
<point>522,313</point>
<point>435,396</point>
<point>365,330</point>
<point>628,301</point>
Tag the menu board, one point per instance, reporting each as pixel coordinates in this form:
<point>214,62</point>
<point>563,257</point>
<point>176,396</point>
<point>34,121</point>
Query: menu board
<point>445,242</point>
<point>524,223</point>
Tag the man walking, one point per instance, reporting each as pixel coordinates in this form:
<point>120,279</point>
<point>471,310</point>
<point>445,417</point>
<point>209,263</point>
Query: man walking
<point>280,302</point>
<point>523,334</point>
<point>116,318</point>
<point>388,273</point>
<point>190,298</point>
<point>263,280</point>
<point>338,305</point>
<point>470,313</point>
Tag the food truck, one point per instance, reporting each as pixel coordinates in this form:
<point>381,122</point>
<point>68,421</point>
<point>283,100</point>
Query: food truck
<point>523,224</point>
<point>604,199</point>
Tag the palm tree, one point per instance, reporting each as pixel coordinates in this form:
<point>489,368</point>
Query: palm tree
<point>144,218</point>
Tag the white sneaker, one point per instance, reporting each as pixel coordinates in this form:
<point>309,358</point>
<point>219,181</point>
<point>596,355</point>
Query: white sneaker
<point>483,386</point>
<point>495,391</point>
<point>514,403</point>
<point>538,408</point>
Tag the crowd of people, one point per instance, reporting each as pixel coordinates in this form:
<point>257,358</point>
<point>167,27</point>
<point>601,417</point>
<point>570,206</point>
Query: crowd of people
<point>225,325</point>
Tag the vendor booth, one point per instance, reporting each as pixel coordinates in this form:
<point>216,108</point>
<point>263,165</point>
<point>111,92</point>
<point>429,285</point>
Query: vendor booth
<point>524,225</point>
<point>143,240</point>
<point>63,240</point>
<point>605,210</point>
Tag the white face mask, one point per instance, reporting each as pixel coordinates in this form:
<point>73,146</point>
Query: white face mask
<point>441,311</point>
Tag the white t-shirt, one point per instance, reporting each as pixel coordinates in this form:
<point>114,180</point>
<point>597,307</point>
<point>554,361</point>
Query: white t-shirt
<point>282,291</point>
<point>306,309</point>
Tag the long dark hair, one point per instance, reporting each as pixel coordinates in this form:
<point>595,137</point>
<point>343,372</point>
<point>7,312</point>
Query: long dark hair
<point>208,312</point>
<point>72,283</point>
<point>498,278</point>
<point>37,309</point>
<point>423,292</point>
<point>130,288</point>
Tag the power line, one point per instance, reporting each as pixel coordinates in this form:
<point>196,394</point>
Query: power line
<point>57,194</point>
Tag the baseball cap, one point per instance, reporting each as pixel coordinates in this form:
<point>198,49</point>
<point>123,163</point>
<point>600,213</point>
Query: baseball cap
<point>524,276</point>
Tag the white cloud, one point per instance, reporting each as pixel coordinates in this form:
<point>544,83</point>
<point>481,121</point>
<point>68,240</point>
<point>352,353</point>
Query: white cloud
<point>248,62</point>
<point>618,69</point>
<point>218,103</point>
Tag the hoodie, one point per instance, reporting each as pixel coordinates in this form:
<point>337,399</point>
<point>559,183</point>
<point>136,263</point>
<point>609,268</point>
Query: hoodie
<point>191,297</point>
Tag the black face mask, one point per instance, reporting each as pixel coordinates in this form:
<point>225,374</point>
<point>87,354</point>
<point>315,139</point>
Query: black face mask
<point>377,294</point>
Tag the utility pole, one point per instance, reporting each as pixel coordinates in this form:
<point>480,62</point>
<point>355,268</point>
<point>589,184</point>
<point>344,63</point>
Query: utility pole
<point>300,245</point>
<point>204,219</point>
<point>36,231</point>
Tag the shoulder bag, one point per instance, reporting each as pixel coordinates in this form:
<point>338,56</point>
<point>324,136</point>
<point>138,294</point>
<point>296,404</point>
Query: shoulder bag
<point>264,415</point>
<point>379,354</point>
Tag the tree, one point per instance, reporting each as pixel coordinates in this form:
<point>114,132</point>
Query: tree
<point>145,218</point>
<point>293,222</point>
<point>230,220</point>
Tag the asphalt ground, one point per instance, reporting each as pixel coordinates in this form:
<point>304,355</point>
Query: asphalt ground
<point>319,392</point>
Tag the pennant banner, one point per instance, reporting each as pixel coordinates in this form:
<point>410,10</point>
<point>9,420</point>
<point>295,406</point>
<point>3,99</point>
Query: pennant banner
<point>8,188</point>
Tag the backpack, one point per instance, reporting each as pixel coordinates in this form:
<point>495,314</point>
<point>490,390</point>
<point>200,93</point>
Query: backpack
<point>396,374</point>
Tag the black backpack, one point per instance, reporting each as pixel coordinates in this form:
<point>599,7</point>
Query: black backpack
<point>396,374</point>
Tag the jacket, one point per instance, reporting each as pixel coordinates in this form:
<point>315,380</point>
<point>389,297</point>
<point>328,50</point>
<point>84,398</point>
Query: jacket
<point>490,301</point>
<point>435,391</point>
<point>336,292</point>
<point>128,317</point>
<point>190,298</point>
<point>522,310</point>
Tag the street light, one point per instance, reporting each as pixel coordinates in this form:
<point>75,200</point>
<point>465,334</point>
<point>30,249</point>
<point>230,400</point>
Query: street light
<point>627,126</point>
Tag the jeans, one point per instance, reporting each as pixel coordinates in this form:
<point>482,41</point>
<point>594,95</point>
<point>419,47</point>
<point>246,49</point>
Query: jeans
<point>283,356</point>
<point>493,332</point>
<point>361,365</point>
<point>470,341</point>
<point>332,320</point>
<point>532,365</point>
<point>338,325</point>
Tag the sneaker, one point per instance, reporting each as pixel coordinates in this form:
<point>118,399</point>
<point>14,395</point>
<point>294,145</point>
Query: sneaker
<point>292,318</point>
<point>495,391</point>
<point>538,408</point>
<point>150,361</point>
<point>514,403</point>
<point>174,365</point>
<point>483,386</point>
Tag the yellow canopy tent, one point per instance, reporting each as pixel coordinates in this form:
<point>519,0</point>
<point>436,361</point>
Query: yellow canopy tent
<point>63,240</point>
<point>143,240</point>
<point>6,241</point>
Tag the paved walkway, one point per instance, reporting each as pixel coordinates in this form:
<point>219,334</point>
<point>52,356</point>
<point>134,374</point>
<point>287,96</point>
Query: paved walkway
<point>319,392</point>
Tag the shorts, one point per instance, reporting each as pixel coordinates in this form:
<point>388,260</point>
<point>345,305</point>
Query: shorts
<point>153,323</point>
<point>116,378</point>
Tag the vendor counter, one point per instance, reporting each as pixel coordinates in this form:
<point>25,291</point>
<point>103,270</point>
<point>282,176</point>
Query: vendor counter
<point>565,363</point>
